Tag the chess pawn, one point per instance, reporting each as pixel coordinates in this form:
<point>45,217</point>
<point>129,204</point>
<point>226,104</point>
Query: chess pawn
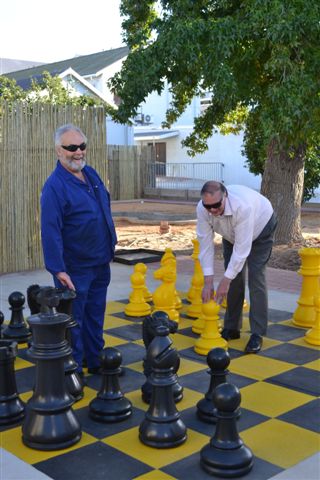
<point>137,306</point>
<point>162,426</point>
<point>198,325</point>
<point>194,310</point>
<point>164,297</point>
<point>12,408</point>
<point>210,337</point>
<point>313,335</point>
<point>74,381</point>
<point>304,315</point>
<point>142,268</point>
<point>50,423</point>
<point>17,328</point>
<point>218,360</point>
<point>110,405</point>
<point>226,455</point>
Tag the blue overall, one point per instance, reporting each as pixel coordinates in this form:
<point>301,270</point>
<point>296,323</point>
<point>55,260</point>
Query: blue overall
<point>78,237</point>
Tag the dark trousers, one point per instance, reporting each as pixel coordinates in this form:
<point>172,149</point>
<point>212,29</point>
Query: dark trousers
<point>258,293</point>
<point>88,310</point>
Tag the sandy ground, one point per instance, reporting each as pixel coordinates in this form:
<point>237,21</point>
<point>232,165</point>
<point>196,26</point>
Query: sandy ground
<point>134,233</point>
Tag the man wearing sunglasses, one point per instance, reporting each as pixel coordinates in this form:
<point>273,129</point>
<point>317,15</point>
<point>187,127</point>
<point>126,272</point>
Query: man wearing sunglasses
<point>78,240</point>
<point>245,220</point>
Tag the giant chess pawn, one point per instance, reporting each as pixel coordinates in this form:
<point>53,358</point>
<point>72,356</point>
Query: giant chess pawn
<point>149,328</point>
<point>110,405</point>
<point>17,328</point>
<point>137,306</point>
<point>12,409</point>
<point>50,423</point>
<point>162,426</point>
<point>74,382</point>
<point>226,455</point>
<point>218,360</point>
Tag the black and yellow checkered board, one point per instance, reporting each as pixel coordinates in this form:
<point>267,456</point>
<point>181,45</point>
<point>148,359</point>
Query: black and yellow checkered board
<point>279,419</point>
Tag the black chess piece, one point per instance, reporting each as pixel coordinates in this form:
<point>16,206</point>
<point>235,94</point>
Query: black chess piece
<point>17,328</point>
<point>149,326</point>
<point>12,409</point>
<point>1,323</point>
<point>74,381</point>
<point>162,426</point>
<point>50,423</point>
<point>110,405</point>
<point>226,455</point>
<point>218,360</point>
<point>32,292</point>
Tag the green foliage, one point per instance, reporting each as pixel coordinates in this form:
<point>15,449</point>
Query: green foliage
<point>50,89</point>
<point>259,59</point>
<point>10,91</point>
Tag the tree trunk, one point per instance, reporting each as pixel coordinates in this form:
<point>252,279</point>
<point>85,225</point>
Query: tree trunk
<point>282,184</point>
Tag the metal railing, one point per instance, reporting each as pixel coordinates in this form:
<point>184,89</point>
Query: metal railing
<point>182,176</point>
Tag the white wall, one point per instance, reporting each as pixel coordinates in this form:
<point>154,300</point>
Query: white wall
<point>118,134</point>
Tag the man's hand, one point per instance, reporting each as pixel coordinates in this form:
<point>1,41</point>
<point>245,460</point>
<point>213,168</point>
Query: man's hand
<point>208,290</point>
<point>222,290</point>
<point>66,281</point>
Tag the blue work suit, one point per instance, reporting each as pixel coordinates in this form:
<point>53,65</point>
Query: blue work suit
<point>78,237</point>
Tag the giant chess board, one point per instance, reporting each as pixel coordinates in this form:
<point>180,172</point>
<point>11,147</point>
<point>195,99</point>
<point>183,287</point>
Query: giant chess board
<point>279,419</point>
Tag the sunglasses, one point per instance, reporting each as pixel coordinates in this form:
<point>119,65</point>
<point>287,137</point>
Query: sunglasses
<point>213,205</point>
<point>74,148</point>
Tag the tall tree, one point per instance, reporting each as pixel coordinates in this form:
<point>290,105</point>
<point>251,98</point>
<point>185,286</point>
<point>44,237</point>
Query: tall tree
<point>254,56</point>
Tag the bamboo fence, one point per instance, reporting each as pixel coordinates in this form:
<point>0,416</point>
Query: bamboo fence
<point>27,157</point>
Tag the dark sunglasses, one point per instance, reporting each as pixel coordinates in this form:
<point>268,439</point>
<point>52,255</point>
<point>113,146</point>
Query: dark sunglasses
<point>74,148</point>
<point>212,205</point>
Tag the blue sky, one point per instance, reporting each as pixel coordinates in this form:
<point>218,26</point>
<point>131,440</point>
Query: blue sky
<point>46,31</point>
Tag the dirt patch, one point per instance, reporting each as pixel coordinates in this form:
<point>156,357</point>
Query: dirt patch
<point>134,233</point>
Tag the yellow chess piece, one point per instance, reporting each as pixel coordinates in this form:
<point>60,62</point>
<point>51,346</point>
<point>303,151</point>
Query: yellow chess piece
<point>137,306</point>
<point>305,314</point>
<point>142,268</point>
<point>210,337</point>
<point>168,258</point>
<point>164,297</point>
<point>198,325</point>
<point>245,307</point>
<point>194,310</point>
<point>313,335</point>
<point>195,256</point>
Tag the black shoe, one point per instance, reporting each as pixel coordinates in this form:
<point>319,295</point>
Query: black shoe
<point>230,334</point>
<point>94,370</point>
<point>254,345</point>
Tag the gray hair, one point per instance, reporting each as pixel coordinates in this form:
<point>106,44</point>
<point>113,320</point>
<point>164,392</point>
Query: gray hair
<point>67,128</point>
<point>212,187</point>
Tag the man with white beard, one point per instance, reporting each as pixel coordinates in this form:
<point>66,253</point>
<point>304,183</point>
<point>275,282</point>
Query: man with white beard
<point>78,240</point>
